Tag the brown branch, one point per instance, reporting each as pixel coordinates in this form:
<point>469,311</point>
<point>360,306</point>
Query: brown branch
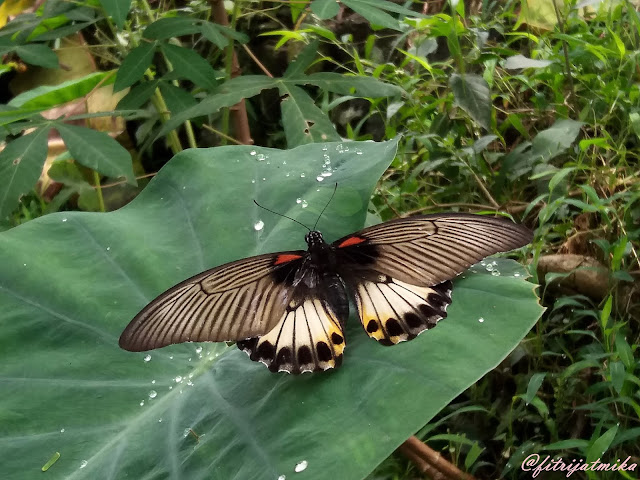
<point>239,110</point>
<point>430,462</point>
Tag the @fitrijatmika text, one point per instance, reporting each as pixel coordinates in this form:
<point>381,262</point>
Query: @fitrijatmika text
<point>537,464</point>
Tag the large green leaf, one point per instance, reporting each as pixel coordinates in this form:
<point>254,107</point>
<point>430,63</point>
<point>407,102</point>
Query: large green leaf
<point>72,281</point>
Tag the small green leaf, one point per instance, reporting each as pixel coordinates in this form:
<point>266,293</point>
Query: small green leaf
<point>471,93</point>
<point>520,61</point>
<point>37,54</point>
<point>117,9</point>
<point>134,65</point>
<point>558,177</point>
<point>618,373</point>
<point>374,15</point>
<point>188,64</point>
<point>176,98</point>
<point>601,444</point>
<point>303,60</point>
<point>21,164</point>
<point>606,312</point>
<point>624,351</point>
<point>325,9</point>
<point>137,96</point>
<point>534,385</point>
<point>303,122</point>
<point>49,96</point>
<point>172,27</point>
<point>98,151</point>
<point>213,33</point>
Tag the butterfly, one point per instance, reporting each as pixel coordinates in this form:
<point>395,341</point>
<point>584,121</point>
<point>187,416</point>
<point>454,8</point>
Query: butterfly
<point>288,309</point>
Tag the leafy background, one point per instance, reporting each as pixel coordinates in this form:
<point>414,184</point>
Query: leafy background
<point>73,280</point>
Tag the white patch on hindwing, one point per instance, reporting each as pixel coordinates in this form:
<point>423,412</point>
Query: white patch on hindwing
<point>307,338</point>
<point>392,311</point>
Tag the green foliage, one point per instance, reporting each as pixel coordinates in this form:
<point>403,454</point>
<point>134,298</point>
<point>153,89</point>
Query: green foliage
<point>540,120</point>
<point>193,409</point>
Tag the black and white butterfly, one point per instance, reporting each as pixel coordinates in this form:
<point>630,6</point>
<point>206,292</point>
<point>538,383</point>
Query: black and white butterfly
<point>288,309</point>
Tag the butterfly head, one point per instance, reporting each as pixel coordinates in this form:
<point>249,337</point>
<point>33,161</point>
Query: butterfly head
<point>314,238</point>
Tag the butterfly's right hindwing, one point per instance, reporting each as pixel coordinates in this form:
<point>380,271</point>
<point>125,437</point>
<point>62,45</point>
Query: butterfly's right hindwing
<point>231,302</point>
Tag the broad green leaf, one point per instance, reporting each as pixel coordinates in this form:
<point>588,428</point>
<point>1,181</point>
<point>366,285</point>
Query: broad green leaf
<point>188,64</point>
<point>390,7</point>
<point>49,96</point>
<point>374,15</point>
<point>71,281</point>
<point>171,27</point>
<point>97,150</point>
<point>37,54</point>
<point>303,122</point>
<point>134,65</point>
<point>325,9</point>
<point>21,164</point>
<point>117,9</point>
<point>601,444</point>
<point>471,93</point>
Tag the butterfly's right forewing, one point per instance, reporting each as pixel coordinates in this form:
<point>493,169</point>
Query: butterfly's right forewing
<point>235,301</point>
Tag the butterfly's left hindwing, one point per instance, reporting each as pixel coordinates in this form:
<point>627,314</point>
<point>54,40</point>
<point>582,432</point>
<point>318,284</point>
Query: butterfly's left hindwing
<point>392,311</point>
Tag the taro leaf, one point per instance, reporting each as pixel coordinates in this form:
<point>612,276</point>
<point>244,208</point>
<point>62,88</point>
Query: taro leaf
<point>472,95</point>
<point>71,282</point>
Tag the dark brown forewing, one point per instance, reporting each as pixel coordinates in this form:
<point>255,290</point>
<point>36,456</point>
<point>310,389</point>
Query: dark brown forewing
<point>231,302</point>
<point>429,249</point>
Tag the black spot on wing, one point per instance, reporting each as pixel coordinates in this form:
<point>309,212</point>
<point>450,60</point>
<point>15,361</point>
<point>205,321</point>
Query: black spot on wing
<point>324,352</point>
<point>336,339</point>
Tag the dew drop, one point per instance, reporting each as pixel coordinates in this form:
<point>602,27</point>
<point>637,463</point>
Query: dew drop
<point>495,273</point>
<point>25,264</point>
<point>153,382</point>
<point>319,178</point>
<point>83,463</point>
<point>481,320</point>
<point>170,357</point>
<point>301,466</point>
<point>259,225</point>
<point>198,349</point>
<point>298,200</point>
<point>62,430</point>
<point>489,268</point>
<point>64,219</point>
<point>263,179</point>
<point>304,204</point>
<point>327,173</point>
<point>142,403</point>
<point>147,358</point>
<point>153,394</point>
<point>108,248</point>
<point>302,175</point>
<point>159,420</point>
<point>516,274</point>
<point>358,152</point>
<point>253,181</point>
<point>325,148</point>
<point>252,152</point>
<point>186,432</point>
<point>282,477</point>
<point>178,379</point>
<point>260,157</point>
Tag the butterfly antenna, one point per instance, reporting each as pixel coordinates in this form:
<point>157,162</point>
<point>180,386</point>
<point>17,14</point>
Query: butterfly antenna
<point>280,214</point>
<point>325,207</point>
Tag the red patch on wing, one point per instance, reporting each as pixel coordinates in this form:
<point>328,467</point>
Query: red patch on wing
<point>352,241</point>
<point>285,258</point>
